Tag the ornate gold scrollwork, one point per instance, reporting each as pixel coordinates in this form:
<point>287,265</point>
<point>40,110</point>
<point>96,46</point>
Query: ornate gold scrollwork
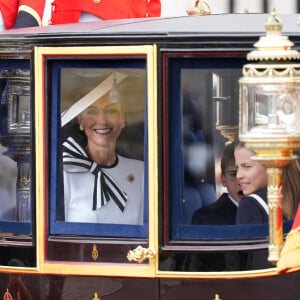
<point>140,254</point>
<point>95,253</point>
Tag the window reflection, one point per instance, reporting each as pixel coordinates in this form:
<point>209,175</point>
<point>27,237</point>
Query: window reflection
<point>199,188</point>
<point>209,118</point>
<point>15,177</point>
<point>8,181</point>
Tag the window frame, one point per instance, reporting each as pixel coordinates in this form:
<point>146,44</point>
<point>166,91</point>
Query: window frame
<point>60,227</point>
<point>43,111</point>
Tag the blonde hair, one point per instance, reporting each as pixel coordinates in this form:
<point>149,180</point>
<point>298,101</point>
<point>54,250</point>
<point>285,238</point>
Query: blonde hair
<point>290,181</point>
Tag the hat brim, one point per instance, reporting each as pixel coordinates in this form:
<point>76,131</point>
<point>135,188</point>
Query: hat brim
<point>99,91</point>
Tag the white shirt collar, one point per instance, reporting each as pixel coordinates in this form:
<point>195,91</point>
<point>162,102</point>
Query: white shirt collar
<point>233,201</point>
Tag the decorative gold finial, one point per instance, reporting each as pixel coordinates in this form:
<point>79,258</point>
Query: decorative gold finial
<point>273,25</point>
<point>198,8</point>
<point>273,46</point>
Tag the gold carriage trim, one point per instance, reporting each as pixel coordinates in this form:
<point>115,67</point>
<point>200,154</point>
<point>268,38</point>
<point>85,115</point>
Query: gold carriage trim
<point>140,254</point>
<point>271,71</point>
<point>95,252</point>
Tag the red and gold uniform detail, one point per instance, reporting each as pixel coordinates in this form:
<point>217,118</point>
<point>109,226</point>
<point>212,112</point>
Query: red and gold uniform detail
<point>10,9</point>
<point>69,11</point>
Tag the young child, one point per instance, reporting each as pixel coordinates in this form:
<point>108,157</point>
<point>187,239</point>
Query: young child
<point>290,182</point>
<point>223,211</point>
<point>252,177</point>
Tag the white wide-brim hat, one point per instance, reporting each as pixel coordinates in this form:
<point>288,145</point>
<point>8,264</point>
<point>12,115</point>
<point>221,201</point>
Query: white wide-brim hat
<point>96,93</point>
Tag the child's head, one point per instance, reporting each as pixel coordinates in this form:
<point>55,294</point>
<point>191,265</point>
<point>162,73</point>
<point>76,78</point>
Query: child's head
<point>251,174</point>
<point>228,175</point>
<point>290,189</point>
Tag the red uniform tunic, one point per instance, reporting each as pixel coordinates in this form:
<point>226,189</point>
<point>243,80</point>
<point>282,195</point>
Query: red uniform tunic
<point>65,11</point>
<point>10,9</point>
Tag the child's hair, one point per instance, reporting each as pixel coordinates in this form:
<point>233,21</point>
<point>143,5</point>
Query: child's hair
<point>291,189</point>
<point>227,156</point>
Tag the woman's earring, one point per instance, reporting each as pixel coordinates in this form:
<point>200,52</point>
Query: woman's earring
<point>80,127</point>
<point>123,125</point>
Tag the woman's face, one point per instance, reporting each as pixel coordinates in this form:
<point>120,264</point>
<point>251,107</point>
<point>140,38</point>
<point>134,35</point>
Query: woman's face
<point>251,175</point>
<point>102,122</point>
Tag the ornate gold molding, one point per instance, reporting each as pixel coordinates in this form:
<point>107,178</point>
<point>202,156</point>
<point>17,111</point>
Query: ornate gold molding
<point>140,254</point>
<point>95,252</point>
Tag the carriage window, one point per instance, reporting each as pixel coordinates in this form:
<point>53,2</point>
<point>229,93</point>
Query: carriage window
<point>206,114</point>
<point>101,148</point>
<point>202,101</point>
<point>15,150</point>
<point>94,139</point>
<point>16,165</point>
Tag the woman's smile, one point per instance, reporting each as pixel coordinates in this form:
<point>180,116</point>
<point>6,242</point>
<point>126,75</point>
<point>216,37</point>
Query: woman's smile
<point>102,123</point>
<point>104,131</point>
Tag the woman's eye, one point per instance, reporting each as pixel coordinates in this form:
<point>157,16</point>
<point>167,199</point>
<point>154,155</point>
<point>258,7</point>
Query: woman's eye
<point>111,111</point>
<point>91,112</point>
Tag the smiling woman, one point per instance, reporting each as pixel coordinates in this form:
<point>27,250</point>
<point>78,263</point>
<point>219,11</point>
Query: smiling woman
<point>100,186</point>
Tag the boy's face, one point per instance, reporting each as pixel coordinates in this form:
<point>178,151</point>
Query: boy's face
<point>252,175</point>
<point>230,181</point>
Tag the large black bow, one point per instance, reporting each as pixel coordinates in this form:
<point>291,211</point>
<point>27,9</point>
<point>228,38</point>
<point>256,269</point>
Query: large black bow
<point>75,159</point>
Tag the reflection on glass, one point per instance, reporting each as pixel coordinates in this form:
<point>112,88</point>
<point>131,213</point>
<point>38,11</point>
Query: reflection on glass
<point>8,181</point>
<point>209,101</point>
<point>271,107</point>
<point>23,192</point>
<point>102,146</point>
<point>15,141</point>
<point>198,177</point>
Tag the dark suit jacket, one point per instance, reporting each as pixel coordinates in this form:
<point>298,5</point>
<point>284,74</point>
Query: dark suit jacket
<point>221,212</point>
<point>250,211</point>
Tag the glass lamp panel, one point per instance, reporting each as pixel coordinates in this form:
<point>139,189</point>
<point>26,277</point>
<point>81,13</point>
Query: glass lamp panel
<point>270,109</point>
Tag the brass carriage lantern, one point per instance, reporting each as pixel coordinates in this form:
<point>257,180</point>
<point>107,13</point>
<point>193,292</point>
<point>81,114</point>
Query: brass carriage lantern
<point>270,115</point>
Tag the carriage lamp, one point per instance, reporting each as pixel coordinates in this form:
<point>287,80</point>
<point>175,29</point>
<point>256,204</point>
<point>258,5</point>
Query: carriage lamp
<point>15,133</point>
<point>270,114</point>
